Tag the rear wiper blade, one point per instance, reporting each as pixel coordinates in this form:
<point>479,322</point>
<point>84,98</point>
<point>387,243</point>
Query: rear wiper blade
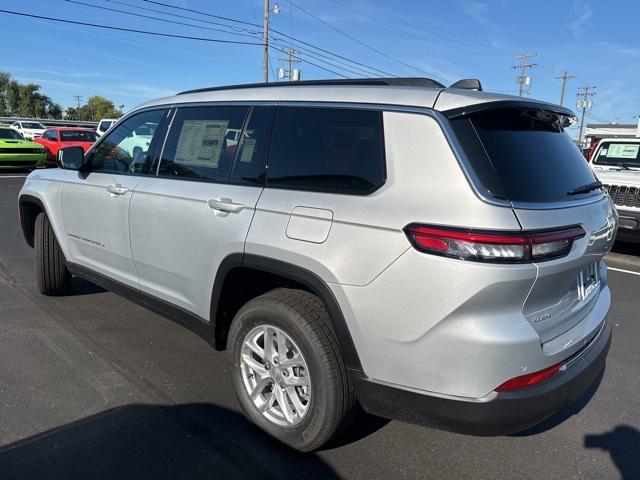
<point>585,188</point>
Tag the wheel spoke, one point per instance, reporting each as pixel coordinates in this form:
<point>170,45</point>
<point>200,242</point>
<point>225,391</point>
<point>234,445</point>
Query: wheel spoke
<point>262,384</point>
<point>282,347</point>
<point>268,404</point>
<point>268,344</point>
<point>284,404</point>
<point>295,399</point>
<point>257,349</point>
<point>292,381</point>
<point>254,365</point>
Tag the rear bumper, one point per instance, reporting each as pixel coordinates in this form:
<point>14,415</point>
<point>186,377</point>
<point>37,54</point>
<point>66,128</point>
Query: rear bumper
<point>499,413</point>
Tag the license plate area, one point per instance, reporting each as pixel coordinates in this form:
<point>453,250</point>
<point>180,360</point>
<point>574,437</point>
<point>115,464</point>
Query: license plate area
<point>588,281</point>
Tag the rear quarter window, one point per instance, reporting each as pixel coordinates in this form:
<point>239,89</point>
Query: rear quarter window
<point>327,149</point>
<point>523,155</point>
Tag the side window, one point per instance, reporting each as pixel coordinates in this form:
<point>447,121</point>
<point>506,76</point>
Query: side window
<point>202,143</point>
<point>53,135</point>
<point>127,149</point>
<point>251,160</point>
<point>327,149</point>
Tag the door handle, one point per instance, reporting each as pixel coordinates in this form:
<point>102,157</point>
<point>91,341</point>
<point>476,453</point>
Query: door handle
<point>117,189</point>
<point>225,205</point>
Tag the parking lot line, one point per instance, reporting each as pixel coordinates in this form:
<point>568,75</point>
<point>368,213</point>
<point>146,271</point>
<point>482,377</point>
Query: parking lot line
<point>623,270</point>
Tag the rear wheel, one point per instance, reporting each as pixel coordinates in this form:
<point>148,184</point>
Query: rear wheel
<point>287,369</point>
<point>52,276</point>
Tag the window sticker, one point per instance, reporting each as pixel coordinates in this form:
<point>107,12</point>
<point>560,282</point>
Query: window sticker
<point>201,142</point>
<point>623,150</point>
<point>603,152</point>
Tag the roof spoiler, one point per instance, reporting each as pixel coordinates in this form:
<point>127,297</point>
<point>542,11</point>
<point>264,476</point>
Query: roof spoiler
<point>468,84</point>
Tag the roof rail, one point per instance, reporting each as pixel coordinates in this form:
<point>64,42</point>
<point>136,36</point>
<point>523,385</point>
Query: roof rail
<point>386,81</point>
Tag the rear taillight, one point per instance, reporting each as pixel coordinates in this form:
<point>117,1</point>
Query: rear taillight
<point>501,247</point>
<point>530,378</point>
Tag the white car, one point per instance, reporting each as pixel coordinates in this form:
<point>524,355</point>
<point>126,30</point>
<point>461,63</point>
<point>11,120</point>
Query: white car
<point>104,125</point>
<point>28,129</point>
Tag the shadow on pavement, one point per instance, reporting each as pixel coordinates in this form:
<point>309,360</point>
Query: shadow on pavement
<point>154,441</point>
<point>81,286</point>
<point>566,412</point>
<point>623,444</point>
<point>626,248</point>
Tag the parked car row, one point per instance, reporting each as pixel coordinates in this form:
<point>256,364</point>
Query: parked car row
<point>29,144</point>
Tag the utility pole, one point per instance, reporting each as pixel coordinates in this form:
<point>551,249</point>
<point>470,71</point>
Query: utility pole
<point>564,79</point>
<point>584,103</point>
<point>291,74</point>
<point>265,38</point>
<point>523,66</point>
<point>78,99</point>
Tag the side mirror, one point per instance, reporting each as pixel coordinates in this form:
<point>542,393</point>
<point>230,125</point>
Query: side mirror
<point>71,158</point>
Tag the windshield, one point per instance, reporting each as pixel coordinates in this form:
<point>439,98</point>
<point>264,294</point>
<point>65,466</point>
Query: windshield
<point>32,125</point>
<point>524,155</point>
<point>7,133</point>
<point>77,136</point>
<point>619,154</point>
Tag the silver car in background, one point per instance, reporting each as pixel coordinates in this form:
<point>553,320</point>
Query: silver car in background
<point>432,254</point>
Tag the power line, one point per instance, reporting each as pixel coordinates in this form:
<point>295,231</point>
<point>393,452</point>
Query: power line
<point>477,48</point>
<point>176,15</point>
<point>201,13</point>
<point>272,30</point>
<point>311,63</point>
<point>132,30</point>
<point>140,15</point>
<point>351,37</point>
<point>317,57</point>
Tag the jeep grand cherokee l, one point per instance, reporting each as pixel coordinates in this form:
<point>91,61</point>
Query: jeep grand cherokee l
<point>432,254</point>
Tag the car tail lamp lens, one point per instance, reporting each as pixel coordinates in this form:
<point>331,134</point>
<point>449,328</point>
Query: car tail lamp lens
<point>500,247</point>
<point>530,379</point>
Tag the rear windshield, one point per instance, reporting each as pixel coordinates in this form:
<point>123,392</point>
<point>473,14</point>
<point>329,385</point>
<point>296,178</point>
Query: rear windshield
<point>77,136</point>
<point>10,134</point>
<point>104,126</point>
<point>33,125</point>
<point>524,155</point>
<point>619,154</point>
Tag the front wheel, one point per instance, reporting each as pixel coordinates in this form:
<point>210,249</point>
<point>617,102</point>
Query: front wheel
<point>52,276</point>
<point>288,373</point>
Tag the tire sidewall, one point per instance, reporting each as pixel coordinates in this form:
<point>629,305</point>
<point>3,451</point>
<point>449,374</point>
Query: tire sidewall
<point>306,434</point>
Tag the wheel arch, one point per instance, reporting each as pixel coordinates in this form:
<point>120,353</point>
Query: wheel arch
<point>237,267</point>
<point>28,209</point>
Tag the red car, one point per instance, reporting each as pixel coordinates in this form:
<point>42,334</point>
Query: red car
<point>56,138</point>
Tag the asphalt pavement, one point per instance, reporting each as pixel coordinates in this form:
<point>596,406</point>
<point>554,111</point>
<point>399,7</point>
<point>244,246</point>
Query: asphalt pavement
<point>94,386</point>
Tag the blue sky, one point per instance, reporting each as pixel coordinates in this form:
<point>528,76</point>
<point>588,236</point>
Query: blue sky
<point>596,41</point>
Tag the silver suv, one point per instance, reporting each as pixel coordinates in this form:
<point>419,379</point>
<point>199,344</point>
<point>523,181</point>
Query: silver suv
<point>616,162</point>
<point>431,254</point>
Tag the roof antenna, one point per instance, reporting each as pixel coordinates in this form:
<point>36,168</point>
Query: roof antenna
<point>468,84</point>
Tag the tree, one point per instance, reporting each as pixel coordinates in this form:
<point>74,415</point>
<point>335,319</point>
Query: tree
<point>98,107</point>
<point>26,100</point>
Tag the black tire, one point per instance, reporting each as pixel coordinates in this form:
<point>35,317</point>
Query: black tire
<point>303,317</point>
<point>52,276</point>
